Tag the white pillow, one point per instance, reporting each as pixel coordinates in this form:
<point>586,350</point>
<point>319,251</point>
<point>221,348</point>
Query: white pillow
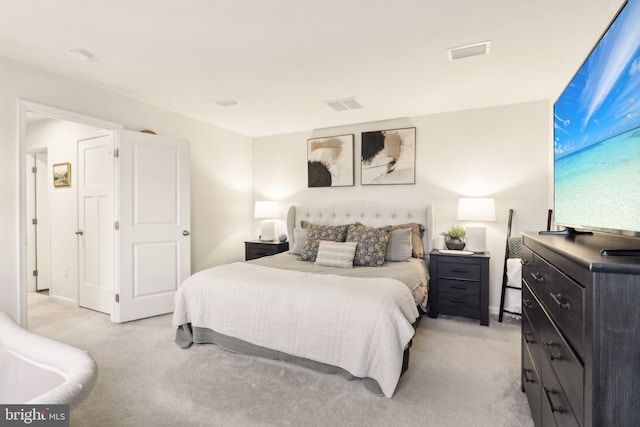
<point>336,254</point>
<point>399,247</point>
<point>299,237</point>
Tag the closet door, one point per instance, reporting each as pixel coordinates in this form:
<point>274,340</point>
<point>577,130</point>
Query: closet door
<point>153,182</point>
<point>95,222</point>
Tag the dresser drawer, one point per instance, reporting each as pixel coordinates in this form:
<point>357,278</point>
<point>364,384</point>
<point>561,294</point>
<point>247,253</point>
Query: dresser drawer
<point>531,308</point>
<point>567,308</point>
<point>554,400</point>
<point>526,255</point>
<point>567,368</point>
<point>531,383</point>
<point>464,287</point>
<point>531,340</point>
<point>539,277</point>
<point>454,270</point>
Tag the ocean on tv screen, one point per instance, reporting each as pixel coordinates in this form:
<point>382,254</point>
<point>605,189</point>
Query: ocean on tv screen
<point>600,186</point>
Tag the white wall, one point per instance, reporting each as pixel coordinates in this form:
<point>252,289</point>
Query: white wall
<point>499,152</point>
<point>221,197</point>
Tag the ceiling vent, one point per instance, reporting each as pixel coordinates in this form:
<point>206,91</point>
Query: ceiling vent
<point>344,104</point>
<point>475,49</point>
<point>226,102</point>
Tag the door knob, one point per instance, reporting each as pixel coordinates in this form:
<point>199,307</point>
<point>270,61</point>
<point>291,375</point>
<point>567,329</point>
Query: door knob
<point>79,233</point>
<point>185,233</point>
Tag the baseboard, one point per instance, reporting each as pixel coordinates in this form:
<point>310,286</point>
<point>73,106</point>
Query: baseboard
<point>63,300</point>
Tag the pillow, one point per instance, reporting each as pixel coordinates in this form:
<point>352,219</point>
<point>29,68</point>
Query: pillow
<point>299,237</point>
<point>305,224</point>
<point>336,254</point>
<point>417,231</point>
<point>399,247</point>
<point>372,244</point>
<point>315,233</point>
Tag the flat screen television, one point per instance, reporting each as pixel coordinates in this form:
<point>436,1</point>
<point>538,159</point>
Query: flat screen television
<point>597,135</point>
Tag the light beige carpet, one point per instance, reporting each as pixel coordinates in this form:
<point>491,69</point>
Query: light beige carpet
<point>460,374</point>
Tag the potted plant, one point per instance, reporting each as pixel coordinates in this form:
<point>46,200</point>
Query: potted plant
<point>454,238</point>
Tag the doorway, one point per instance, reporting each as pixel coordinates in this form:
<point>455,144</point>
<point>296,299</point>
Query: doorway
<point>63,254</point>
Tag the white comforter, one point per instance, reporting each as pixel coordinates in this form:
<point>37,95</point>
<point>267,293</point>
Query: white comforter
<point>360,325</point>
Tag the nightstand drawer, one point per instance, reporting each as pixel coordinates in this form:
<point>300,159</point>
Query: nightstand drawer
<point>258,249</point>
<point>458,270</point>
<point>456,300</point>
<point>466,287</point>
<point>260,252</point>
<point>458,305</point>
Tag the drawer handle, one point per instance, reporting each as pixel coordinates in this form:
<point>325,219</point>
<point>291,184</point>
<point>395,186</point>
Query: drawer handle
<point>558,300</point>
<point>524,262</point>
<point>548,392</point>
<point>552,356</point>
<point>458,300</point>
<point>458,269</point>
<point>463,287</point>
<point>528,341</point>
<point>526,377</point>
<point>537,277</point>
<point>527,303</point>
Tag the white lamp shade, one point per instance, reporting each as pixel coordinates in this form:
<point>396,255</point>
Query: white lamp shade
<point>476,209</point>
<point>265,209</point>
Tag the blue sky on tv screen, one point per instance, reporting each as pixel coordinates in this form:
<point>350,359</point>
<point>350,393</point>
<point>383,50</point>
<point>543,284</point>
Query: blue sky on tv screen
<point>603,99</point>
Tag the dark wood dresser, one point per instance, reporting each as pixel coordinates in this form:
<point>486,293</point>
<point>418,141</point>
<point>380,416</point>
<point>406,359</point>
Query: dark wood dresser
<point>580,330</point>
<point>459,285</point>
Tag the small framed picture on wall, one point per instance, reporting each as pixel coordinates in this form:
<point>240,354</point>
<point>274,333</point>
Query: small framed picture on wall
<point>330,161</point>
<point>62,174</point>
<point>389,157</point>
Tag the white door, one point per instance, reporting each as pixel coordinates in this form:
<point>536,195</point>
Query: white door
<point>38,220</point>
<point>153,209</point>
<point>42,221</point>
<point>96,222</point>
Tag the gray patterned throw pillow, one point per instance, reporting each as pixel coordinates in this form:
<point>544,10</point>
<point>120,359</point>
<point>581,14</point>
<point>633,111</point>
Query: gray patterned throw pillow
<point>372,244</point>
<point>315,233</point>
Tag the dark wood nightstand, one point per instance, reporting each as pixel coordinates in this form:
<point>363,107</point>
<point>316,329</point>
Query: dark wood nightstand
<point>459,285</point>
<point>257,249</point>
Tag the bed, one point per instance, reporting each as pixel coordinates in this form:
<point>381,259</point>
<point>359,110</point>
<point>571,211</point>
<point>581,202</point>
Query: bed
<point>357,322</point>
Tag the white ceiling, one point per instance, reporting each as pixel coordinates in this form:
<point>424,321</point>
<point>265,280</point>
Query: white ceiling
<point>282,58</point>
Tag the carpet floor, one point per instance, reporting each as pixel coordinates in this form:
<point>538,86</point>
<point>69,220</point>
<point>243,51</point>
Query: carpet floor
<point>460,374</point>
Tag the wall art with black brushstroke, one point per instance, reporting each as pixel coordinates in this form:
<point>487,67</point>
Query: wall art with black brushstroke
<point>330,161</point>
<point>389,157</point>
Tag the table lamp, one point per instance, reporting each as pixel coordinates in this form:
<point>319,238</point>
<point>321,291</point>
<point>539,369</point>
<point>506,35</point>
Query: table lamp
<point>476,209</point>
<point>268,211</point>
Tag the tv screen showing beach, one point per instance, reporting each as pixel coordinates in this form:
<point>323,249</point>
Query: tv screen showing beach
<point>597,134</point>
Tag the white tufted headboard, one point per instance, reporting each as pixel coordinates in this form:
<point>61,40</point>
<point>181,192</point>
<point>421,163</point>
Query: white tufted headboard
<point>373,214</point>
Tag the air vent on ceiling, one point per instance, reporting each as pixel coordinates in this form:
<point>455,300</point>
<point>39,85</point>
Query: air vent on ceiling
<point>344,104</point>
<point>475,49</point>
<point>226,102</point>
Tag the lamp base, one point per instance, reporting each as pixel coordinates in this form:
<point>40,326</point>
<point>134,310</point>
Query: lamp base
<point>476,238</point>
<point>267,230</point>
